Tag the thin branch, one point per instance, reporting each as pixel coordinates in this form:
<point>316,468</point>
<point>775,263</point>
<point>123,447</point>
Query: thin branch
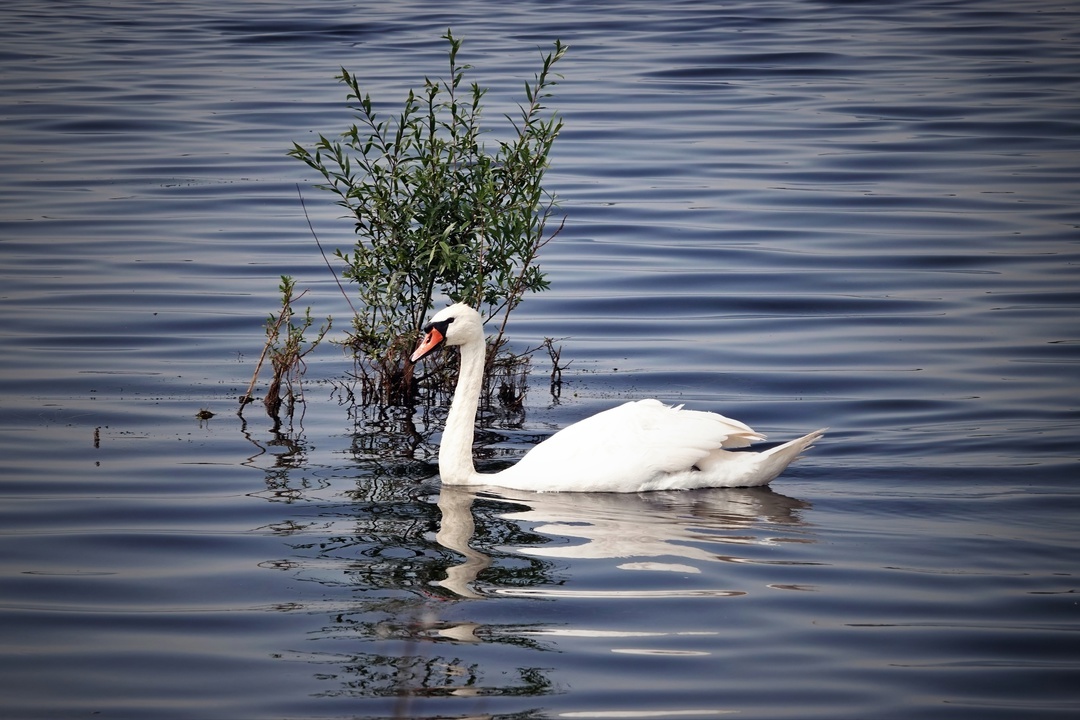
<point>323,252</point>
<point>246,397</point>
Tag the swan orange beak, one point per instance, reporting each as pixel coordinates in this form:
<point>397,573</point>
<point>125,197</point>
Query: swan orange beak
<point>431,340</point>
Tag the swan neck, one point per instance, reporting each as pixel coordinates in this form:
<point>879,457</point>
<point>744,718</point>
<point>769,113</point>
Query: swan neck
<point>455,451</point>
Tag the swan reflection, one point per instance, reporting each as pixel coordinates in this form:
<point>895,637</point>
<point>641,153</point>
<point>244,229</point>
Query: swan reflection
<point>455,533</point>
<point>659,531</point>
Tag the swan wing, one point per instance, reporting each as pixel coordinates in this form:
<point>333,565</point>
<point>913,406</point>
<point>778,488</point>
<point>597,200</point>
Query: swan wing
<point>625,448</point>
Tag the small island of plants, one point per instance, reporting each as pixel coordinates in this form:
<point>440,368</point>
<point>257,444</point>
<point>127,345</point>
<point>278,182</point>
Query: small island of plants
<point>437,213</point>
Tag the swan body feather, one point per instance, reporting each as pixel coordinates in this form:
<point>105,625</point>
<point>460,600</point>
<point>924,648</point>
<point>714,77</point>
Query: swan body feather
<point>638,446</point>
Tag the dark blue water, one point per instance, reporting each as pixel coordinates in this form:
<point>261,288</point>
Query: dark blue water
<point>856,214</point>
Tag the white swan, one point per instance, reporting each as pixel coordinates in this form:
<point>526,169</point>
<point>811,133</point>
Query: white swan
<point>635,447</point>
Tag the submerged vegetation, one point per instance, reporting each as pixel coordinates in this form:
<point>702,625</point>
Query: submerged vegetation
<point>438,213</point>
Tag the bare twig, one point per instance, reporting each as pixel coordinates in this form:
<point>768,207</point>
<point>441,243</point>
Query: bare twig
<point>323,252</point>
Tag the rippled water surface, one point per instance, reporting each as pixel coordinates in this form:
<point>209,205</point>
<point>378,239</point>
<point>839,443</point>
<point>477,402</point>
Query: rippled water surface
<point>861,215</point>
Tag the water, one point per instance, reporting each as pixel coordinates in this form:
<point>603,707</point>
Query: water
<point>861,215</point>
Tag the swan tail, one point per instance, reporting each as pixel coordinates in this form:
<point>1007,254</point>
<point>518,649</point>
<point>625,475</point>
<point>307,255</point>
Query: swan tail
<point>725,468</point>
<point>775,460</point>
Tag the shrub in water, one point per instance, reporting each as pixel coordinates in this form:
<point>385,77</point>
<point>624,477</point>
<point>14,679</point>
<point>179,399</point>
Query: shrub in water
<point>437,213</point>
<point>286,346</point>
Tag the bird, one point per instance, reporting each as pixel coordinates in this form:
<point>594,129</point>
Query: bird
<point>638,446</point>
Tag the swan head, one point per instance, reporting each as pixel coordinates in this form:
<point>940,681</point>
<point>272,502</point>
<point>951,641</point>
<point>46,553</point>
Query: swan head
<point>455,325</point>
